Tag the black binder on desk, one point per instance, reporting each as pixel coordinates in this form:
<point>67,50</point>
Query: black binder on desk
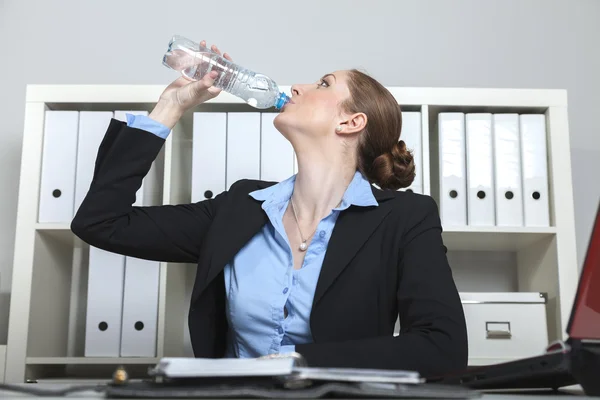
<point>279,376</point>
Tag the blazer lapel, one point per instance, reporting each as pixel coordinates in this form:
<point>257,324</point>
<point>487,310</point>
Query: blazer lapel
<point>234,229</point>
<point>352,229</point>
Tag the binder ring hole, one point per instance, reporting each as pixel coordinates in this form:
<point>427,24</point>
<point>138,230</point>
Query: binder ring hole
<point>103,326</point>
<point>536,195</point>
<point>208,194</point>
<point>453,194</point>
<point>509,195</point>
<point>139,325</point>
<point>481,194</point>
<point>56,193</point>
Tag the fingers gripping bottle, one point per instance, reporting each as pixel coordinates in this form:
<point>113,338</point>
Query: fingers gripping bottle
<point>195,61</point>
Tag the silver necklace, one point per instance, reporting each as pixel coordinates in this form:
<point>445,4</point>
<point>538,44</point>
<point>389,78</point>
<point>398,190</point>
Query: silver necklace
<point>303,246</point>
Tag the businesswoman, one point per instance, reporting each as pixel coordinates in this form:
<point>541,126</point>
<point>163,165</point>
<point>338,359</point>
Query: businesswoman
<point>322,263</point>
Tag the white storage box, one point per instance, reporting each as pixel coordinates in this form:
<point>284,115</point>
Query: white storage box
<point>505,326</point>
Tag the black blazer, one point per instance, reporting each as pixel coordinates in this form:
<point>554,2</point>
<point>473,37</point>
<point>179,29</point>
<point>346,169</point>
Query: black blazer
<point>381,262</point>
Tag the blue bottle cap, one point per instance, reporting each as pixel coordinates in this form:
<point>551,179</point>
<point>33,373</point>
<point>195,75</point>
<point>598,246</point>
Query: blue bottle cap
<point>282,101</point>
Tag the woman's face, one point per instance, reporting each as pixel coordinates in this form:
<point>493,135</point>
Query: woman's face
<point>315,108</point>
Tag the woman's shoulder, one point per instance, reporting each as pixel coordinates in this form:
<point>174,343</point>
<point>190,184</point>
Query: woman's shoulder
<point>245,186</point>
<point>413,214</point>
<point>243,190</point>
<point>410,202</point>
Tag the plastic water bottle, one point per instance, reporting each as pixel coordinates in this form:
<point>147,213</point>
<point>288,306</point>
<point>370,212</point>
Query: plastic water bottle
<point>195,61</point>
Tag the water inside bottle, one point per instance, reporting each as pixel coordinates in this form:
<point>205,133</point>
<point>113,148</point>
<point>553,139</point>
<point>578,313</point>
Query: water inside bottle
<point>195,61</point>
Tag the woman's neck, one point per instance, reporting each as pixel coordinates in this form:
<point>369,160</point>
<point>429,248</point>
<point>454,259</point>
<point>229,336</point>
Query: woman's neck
<point>320,183</point>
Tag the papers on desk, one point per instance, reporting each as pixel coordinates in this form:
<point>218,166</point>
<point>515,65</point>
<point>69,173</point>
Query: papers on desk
<point>290,365</point>
<point>357,375</point>
<point>280,376</point>
<point>181,367</point>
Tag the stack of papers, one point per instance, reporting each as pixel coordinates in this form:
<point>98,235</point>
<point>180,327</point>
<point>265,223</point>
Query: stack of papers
<point>290,365</point>
<point>176,367</point>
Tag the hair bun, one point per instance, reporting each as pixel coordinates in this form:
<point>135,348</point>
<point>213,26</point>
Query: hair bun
<point>394,169</point>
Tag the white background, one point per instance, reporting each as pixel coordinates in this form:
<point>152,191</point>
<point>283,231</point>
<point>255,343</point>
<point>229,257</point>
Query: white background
<point>459,43</point>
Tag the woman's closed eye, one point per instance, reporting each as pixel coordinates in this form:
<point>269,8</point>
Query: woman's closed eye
<point>323,83</point>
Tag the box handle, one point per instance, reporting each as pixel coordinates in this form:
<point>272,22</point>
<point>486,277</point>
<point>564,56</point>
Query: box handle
<point>497,330</point>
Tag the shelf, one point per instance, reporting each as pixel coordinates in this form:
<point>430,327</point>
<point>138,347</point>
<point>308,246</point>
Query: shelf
<point>494,238</point>
<point>53,227</point>
<point>61,232</point>
<point>90,360</point>
<point>50,267</point>
<point>462,238</point>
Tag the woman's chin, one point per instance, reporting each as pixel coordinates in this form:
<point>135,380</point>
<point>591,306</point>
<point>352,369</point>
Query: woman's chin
<point>283,122</point>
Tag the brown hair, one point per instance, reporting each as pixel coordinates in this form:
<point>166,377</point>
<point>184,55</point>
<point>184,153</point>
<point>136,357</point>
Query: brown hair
<point>382,158</point>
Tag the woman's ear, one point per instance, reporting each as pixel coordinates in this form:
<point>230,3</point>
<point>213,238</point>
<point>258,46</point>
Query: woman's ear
<point>354,123</point>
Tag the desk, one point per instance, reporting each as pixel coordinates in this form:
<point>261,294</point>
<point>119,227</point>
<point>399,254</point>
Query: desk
<point>573,393</point>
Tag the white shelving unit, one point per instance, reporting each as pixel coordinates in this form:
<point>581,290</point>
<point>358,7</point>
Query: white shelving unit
<point>45,330</point>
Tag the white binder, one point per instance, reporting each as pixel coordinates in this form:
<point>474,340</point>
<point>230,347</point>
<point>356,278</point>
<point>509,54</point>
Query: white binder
<point>507,159</point>
<point>104,304</point>
<point>411,134</point>
<point>480,170</point>
<point>59,160</point>
<point>209,151</point>
<point>535,170</point>
<point>243,146</point>
<point>276,152</point>
<point>453,181</point>
<point>92,128</point>
<point>140,308</point>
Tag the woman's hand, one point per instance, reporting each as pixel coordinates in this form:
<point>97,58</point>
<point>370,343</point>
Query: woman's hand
<point>183,94</point>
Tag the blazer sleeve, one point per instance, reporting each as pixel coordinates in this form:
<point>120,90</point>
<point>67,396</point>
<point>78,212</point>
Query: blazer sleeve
<point>433,336</point>
<point>107,218</point>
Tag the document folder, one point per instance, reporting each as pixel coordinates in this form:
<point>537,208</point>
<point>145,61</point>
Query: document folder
<point>209,154</point>
<point>508,182</point>
<point>481,205</point>
<point>243,147</point>
<point>453,180</point>
<point>534,165</point>
<point>104,303</point>
<point>59,161</point>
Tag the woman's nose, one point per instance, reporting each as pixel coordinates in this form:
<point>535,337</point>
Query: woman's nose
<point>296,90</point>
